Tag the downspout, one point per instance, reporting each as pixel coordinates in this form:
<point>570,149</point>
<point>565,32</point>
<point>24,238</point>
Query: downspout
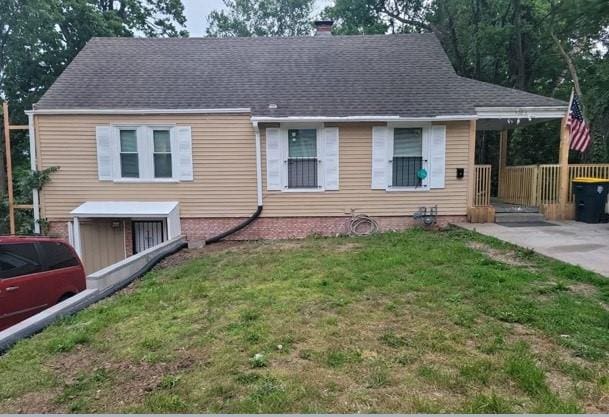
<point>258,211</point>
<point>33,167</point>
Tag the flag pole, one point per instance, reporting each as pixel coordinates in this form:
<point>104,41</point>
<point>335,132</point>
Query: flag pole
<point>563,162</point>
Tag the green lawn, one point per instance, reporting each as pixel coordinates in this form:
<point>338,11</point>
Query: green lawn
<point>402,322</point>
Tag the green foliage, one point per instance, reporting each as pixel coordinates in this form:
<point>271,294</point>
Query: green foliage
<point>35,180</point>
<point>261,18</point>
<point>488,404</point>
<point>356,17</point>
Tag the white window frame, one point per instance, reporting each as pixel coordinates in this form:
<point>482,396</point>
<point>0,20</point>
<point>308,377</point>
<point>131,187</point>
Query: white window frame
<point>120,152</point>
<point>172,149</point>
<point>426,153</point>
<point>285,127</point>
<point>145,150</point>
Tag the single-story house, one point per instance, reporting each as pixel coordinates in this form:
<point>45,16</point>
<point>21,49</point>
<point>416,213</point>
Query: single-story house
<point>160,137</point>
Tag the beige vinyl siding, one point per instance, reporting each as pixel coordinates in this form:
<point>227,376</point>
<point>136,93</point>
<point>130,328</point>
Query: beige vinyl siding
<point>224,164</point>
<point>223,150</point>
<point>355,159</point>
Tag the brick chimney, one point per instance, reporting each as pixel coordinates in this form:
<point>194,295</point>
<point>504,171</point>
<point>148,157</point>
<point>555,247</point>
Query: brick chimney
<point>323,27</point>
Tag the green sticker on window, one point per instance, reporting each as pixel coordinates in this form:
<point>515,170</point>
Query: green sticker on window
<point>422,174</point>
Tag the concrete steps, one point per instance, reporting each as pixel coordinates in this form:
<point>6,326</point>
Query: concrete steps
<point>519,217</point>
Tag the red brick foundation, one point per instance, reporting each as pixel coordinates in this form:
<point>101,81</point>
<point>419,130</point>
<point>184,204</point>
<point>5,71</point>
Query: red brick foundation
<point>199,229</point>
<point>58,229</point>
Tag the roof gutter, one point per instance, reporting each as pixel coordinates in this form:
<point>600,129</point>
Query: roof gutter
<point>268,119</point>
<point>258,164</point>
<point>547,112</point>
<point>34,168</point>
<point>137,111</point>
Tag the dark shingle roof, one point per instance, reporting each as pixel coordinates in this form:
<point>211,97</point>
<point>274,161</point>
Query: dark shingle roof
<point>385,75</point>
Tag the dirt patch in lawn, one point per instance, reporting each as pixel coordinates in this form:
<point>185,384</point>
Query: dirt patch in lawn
<point>507,257</point>
<point>540,344</point>
<point>587,290</point>
<point>544,347</point>
<point>188,254</point>
<point>349,247</point>
<point>40,402</point>
<point>83,371</point>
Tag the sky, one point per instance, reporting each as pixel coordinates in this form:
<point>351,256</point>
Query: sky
<point>197,11</point>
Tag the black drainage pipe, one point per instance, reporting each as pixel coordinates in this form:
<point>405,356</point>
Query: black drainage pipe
<point>236,228</point>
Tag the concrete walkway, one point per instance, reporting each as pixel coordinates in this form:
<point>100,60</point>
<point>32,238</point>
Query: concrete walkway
<point>586,245</point>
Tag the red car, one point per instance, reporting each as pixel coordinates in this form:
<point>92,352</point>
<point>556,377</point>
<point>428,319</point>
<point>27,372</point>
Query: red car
<point>36,273</point>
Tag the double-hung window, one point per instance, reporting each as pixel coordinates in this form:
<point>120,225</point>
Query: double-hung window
<point>129,157</point>
<point>407,157</point>
<point>145,153</point>
<point>162,153</point>
<point>302,158</point>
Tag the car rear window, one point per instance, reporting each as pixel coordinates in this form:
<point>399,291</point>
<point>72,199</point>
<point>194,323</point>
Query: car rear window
<point>18,259</point>
<point>56,255</point>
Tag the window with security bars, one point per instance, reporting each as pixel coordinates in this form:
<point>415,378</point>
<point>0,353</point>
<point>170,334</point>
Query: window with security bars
<point>302,158</point>
<point>407,157</point>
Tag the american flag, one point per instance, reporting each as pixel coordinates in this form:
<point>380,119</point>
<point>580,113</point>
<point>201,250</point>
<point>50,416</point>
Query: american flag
<point>580,134</point>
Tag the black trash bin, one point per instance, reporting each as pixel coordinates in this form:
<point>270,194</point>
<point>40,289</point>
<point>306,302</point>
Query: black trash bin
<point>590,198</point>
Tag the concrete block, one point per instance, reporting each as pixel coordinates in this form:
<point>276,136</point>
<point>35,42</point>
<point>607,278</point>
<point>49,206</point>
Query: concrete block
<point>41,320</point>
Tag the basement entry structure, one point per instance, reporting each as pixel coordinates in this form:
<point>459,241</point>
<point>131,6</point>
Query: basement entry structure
<point>106,232</point>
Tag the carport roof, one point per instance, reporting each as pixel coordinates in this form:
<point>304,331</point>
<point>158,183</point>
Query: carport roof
<point>127,209</point>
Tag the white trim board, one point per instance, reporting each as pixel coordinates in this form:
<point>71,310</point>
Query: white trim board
<point>139,111</point>
<point>119,209</point>
<point>330,119</point>
<point>554,112</point>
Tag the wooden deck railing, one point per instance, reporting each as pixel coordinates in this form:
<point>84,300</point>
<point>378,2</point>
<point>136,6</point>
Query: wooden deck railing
<point>482,185</point>
<point>534,185</point>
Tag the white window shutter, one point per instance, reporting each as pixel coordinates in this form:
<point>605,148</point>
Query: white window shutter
<point>437,160</point>
<point>274,160</point>
<point>330,162</point>
<point>184,139</point>
<point>105,153</point>
<point>381,168</point>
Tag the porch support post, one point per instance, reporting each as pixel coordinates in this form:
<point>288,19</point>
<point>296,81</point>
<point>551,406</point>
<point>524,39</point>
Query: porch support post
<point>563,162</point>
<point>471,162</point>
<point>503,147</point>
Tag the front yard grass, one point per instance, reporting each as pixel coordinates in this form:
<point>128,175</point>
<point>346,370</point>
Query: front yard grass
<point>402,322</point>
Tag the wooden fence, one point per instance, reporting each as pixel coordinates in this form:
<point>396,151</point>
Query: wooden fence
<point>482,186</point>
<point>534,185</point>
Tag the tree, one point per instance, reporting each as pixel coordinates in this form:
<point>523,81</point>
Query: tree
<point>379,16</point>
<point>261,18</point>
<point>39,38</point>
<point>541,46</point>
<point>360,17</point>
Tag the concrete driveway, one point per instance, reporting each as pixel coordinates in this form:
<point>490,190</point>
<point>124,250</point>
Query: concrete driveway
<point>586,245</point>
